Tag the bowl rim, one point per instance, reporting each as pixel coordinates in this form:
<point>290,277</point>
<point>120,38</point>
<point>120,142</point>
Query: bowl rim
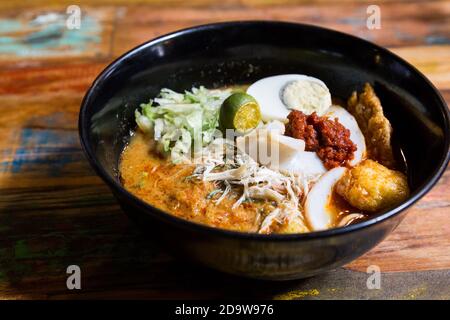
<point>160,214</point>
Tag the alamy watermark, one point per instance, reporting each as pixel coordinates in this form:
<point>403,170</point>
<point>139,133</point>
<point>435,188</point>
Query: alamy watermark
<point>374,17</point>
<point>74,279</point>
<point>73,20</point>
<point>374,280</point>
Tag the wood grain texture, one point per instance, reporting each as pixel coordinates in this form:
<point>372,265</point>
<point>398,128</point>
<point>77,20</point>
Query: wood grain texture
<point>28,36</point>
<point>54,211</point>
<point>402,24</point>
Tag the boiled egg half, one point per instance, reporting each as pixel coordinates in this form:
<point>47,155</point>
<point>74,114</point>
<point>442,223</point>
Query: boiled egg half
<point>277,95</point>
<point>318,211</point>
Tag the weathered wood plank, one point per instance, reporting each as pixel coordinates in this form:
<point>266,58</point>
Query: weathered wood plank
<point>48,80</point>
<point>31,35</point>
<point>8,4</point>
<point>433,61</point>
<point>401,24</point>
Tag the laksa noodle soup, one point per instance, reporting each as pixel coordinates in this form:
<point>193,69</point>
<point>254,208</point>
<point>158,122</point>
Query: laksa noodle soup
<point>277,156</point>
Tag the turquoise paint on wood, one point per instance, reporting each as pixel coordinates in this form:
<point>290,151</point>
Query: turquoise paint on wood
<point>43,151</point>
<point>48,37</point>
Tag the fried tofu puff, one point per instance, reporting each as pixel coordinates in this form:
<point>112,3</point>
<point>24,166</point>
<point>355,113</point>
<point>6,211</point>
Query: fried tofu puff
<point>368,112</point>
<point>371,186</point>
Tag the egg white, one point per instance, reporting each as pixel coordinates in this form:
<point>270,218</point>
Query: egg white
<point>317,211</point>
<point>356,136</point>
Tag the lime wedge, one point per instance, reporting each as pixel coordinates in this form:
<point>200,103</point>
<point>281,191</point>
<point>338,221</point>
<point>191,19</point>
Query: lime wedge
<point>240,112</point>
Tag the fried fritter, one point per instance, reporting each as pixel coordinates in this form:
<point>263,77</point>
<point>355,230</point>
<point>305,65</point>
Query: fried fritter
<point>368,112</point>
<point>371,187</point>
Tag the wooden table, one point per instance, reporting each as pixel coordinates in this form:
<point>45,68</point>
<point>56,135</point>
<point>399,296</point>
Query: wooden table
<point>55,212</point>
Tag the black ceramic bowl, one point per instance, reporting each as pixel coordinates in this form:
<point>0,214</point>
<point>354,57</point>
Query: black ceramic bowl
<point>242,52</point>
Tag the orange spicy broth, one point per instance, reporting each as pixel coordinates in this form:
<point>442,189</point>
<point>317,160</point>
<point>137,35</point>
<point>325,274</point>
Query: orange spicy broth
<point>167,186</point>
